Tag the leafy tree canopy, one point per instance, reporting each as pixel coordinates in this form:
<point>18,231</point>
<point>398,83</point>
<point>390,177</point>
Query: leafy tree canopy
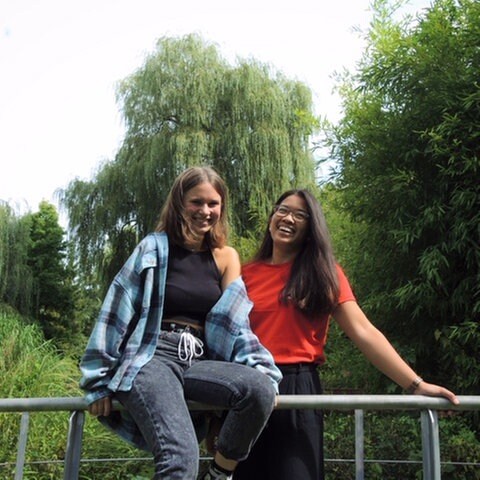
<point>187,106</point>
<point>409,166</point>
<point>46,258</point>
<point>16,279</point>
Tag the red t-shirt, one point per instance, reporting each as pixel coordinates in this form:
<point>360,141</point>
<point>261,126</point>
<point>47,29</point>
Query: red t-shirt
<point>290,336</point>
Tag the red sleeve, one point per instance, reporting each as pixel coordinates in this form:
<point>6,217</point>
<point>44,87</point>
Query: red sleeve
<point>346,293</point>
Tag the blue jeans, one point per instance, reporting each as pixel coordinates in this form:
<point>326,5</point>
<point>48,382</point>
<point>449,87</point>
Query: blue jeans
<point>157,402</point>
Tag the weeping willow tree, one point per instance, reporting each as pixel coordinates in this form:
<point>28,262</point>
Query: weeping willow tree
<point>17,286</point>
<point>187,106</point>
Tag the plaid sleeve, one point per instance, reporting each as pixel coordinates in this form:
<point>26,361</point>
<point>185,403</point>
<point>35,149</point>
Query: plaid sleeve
<point>248,350</point>
<point>230,338</point>
<point>103,352</point>
<point>119,309</point>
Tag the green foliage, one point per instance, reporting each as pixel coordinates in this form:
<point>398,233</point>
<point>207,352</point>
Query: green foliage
<point>246,246</point>
<point>402,442</point>
<point>34,277</point>
<point>464,338</point>
<point>16,280</point>
<point>31,367</point>
<point>46,258</point>
<point>393,436</point>
<point>408,171</point>
<point>187,106</point>
<point>346,370</point>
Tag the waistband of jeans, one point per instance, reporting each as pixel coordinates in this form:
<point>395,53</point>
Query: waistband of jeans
<point>297,367</point>
<point>173,325</point>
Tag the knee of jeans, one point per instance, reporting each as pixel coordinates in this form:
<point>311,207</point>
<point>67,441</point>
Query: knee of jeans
<point>262,393</point>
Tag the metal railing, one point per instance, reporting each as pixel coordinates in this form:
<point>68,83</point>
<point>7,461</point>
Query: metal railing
<point>427,406</point>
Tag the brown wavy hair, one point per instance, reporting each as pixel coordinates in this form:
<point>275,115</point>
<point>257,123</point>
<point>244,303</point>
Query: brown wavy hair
<point>313,283</point>
<point>172,216</point>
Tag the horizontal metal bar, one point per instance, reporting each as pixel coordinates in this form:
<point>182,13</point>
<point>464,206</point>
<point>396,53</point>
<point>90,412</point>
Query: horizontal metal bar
<point>376,402</point>
<point>380,461</point>
<point>328,402</point>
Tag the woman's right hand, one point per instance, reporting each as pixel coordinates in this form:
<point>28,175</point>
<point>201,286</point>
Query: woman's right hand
<point>433,390</point>
<point>101,407</point>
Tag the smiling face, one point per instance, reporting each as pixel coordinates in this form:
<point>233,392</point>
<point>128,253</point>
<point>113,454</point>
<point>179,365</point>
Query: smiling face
<point>202,206</point>
<point>287,232</point>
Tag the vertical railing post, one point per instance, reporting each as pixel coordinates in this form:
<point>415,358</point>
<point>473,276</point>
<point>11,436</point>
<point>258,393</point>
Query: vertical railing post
<point>359,446</point>
<point>22,445</point>
<point>430,445</point>
<point>74,445</point>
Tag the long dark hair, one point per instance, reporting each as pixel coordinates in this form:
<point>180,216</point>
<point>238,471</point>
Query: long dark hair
<point>313,283</point>
<point>172,217</point>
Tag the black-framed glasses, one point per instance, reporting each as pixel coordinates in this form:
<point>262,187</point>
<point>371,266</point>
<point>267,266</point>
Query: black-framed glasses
<point>298,215</point>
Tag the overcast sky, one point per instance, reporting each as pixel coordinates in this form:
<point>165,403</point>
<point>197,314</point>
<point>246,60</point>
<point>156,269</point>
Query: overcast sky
<point>60,61</point>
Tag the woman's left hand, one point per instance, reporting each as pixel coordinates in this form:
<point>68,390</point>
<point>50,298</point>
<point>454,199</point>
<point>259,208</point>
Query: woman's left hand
<point>433,390</point>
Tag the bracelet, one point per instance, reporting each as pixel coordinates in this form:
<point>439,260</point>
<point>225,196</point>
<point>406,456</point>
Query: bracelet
<point>414,385</point>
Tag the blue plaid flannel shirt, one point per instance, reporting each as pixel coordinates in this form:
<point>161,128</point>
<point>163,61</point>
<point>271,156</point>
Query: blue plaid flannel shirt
<point>125,335</point>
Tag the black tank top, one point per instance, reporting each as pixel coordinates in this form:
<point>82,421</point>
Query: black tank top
<point>193,285</point>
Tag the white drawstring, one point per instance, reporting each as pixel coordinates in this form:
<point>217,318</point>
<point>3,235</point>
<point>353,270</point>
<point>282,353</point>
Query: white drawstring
<point>189,347</point>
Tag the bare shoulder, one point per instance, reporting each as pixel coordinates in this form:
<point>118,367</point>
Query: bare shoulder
<point>228,253</point>
<point>228,263</point>
<point>225,257</point>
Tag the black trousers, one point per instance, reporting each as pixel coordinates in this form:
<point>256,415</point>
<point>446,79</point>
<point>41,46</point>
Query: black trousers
<point>291,445</point>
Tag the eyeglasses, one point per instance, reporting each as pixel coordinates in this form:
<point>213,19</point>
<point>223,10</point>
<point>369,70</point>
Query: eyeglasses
<point>298,215</point>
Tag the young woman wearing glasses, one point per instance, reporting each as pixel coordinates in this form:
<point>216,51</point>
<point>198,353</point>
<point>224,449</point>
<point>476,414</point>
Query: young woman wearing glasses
<point>296,286</point>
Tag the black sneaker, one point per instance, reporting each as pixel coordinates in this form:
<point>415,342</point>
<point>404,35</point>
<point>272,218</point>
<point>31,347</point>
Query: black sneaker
<point>213,474</point>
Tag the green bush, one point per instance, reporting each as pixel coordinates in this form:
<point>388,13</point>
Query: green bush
<point>32,367</point>
<point>391,436</point>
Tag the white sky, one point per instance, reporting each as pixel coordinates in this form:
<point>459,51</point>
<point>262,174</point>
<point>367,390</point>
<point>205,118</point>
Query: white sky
<point>61,59</point>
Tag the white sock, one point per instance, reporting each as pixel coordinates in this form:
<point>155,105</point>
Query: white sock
<point>218,473</point>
